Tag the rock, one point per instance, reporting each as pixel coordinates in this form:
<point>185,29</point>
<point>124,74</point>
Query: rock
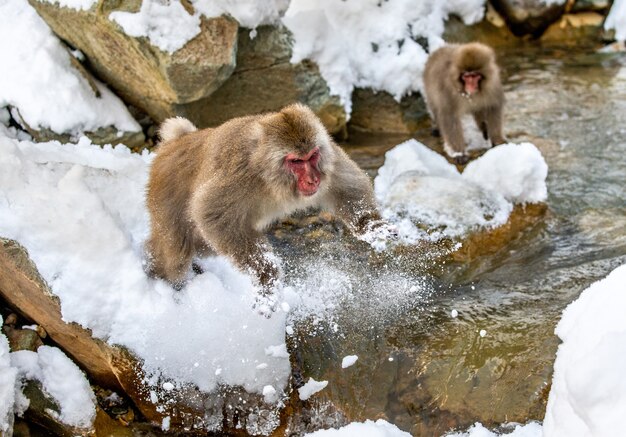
<point>492,30</point>
<point>528,17</point>
<point>590,5</point>
<point>265,80</point>
<point>574,28</point>
<point>43,411</point>
<point>141,73</point>
<point>380,112</point>
<point>22,339</point>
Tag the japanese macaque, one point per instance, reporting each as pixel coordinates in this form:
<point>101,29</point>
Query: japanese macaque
<point>217,190</point>
<point>462,79</point>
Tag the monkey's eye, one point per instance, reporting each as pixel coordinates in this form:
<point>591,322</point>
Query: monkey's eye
<point>297,161</point>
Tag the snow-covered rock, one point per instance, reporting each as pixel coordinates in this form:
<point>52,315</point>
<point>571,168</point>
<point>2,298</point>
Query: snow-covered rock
<point>417,185</point>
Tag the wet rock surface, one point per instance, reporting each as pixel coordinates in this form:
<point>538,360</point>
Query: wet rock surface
<point>528,17</point>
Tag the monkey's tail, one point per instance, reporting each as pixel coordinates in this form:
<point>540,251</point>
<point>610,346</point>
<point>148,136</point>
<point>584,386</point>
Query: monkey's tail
<point>175,127</point>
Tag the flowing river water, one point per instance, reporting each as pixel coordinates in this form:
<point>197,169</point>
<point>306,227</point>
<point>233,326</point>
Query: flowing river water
<point>418,366</point>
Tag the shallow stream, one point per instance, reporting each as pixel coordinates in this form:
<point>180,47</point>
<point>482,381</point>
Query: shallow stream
<point>424,370</point>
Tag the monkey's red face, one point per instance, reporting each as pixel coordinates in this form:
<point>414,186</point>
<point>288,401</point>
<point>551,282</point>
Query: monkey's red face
<point>471,82</point>
<point>305,169</point>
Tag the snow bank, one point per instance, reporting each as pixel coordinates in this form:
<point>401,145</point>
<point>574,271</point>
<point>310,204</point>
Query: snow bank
<point>417,185</point>
<point>8,387</point>
<point>37,78</point>
<point>588,395</point>
<point>380,428</point>
<point>369,43</point>
<point>617,19</point>
<point>168,25</point>
<point>62,380</point>
<point>80,212</point>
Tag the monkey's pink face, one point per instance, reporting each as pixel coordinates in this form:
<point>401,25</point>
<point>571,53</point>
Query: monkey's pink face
<point>305,169</point>
<point>471,82</point>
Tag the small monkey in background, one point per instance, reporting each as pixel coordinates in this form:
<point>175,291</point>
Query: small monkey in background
<point>461,79</point>
<point>217,190</point>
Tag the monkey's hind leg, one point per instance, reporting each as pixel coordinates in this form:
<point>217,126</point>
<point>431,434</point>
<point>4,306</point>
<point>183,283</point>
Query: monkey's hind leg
<point>168,255</point>
<point>493,118</point>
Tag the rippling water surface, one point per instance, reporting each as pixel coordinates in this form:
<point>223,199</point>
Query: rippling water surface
<point>418,366</point>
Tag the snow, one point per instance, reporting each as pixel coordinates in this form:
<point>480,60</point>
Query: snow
<point>617,20</point>
<point>418,186</point>
<point>531,429</point>
<point>348,361</point>
<point>588,395</point>
<point>80,212</point>
<point>310,388</point>
<point>8,386</point>
<point>249,13</point>
<point>380,428</point>
<point>62,380</point>
<point>53,95</point>
<point>168,25</point>
<point>369,43</point>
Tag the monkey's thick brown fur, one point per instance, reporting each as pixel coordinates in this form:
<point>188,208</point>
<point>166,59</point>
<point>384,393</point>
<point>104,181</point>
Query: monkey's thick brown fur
<point>219,189</point>
<point>447,100</point>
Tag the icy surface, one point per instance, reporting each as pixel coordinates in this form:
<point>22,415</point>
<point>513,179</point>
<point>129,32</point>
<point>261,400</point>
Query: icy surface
<point>369,43</point>
<point>167,25</point>
<point>310,388</point>
<point>53,95</point>
<point>348,361</point>
<point>79,210</point>
<point>588,395</point>
<point>617,19</point>
<point>8,386</point>
<point>426,197</point>
<point>62,380</point>
<point>380,428</point>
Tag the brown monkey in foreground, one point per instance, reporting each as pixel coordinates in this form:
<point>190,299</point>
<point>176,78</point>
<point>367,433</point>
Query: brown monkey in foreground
<point>219,189</point>
<point>461,79</point>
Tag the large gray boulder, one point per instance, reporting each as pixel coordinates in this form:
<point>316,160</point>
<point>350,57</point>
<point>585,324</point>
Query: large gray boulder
<point>528,17</point>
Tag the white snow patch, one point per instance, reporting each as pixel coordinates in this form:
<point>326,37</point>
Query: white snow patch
<point>617,20</point>
<point>269,394</point>
<point>249,13</point>
<point>62,380</point>
<point>80,212</point>
<point>167,25</point>
<point>38,79</point>
<point>532,429</point>
<point>348,361</point>
<point>588,395</point>
<point>369,43</point>
<point>380,428</point>
<point>454,314</point>
<point>8,387</point>
<point>310,388</point>
<point>418,186</point>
